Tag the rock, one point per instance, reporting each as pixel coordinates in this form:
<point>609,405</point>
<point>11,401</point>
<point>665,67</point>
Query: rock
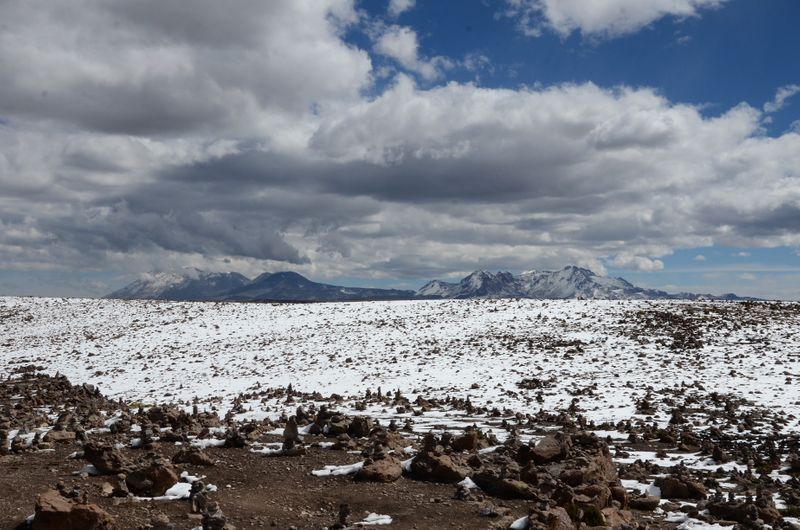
<point>620,494</point>
<point>153,479</point>
<point>234,439</point>
<point>648,503</point>
<point>436,468</point>
<point>598,495</point>
<point>505,488</point>
<point>680,488</point>
<point>290,431</point>
<point>55,512</point>
<point>120,488</point>
<point>214,519</point>
<point>387,469</point>
<point>615,518</point>
<point>161,522</point>
<point>192,455</point>
<point>107,460</point>
<point>743,512</point>
<point>558,519</point>
<point>106,489</point>
<point>338,425</point>
<point>551,448</point>
<point>466,442</point>
<point>360,427</point>
<point>59,436</point>
<point>197,497</point>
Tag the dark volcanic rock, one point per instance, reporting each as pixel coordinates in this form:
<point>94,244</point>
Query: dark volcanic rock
<point>673,487</point>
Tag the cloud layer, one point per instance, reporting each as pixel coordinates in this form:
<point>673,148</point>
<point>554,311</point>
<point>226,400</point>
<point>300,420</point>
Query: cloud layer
<point>147,136</point>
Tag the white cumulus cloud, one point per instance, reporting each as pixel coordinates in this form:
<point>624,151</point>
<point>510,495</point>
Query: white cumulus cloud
<point>600,18</point>
<point>397,7</point>
<point>781,97</point>
<point>401,44</point>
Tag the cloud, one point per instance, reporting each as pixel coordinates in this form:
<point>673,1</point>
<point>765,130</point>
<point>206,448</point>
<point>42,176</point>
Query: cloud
<point>183,146</point>
<point>154,67</point>
<point>400,43</point>
<point>699,257</point>
<point>599,18</point>
<point>783,94</point>
<point>625,260</point>
<point>397,7</point>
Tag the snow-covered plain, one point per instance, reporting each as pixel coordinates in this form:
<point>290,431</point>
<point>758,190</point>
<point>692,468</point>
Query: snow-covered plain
<point>150,352</point>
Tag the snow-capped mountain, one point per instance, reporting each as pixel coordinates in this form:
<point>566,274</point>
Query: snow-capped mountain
<point>189,284</point>
<point>569,282</point>
<point>293,287</point>
<point>193,284</point>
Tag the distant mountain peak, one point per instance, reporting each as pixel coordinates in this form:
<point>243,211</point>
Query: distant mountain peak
<point>571,281</point>
<point>278,286</point>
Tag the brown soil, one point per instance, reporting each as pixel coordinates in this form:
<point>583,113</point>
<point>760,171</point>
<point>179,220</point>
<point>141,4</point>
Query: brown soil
<point>254,492</point>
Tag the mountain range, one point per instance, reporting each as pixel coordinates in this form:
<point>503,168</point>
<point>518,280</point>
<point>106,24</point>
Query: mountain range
<point>569,282</point>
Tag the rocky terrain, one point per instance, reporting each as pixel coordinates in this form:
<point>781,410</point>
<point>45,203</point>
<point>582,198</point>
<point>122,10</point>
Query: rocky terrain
<point>429,414</point>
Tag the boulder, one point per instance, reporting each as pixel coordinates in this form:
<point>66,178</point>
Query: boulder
<point>551,448</point>
<point>648,503</point>
<point>466,442</point>
<point>743,512</point>
<point>505,488</point>
<point>194,456</point>
<point>436,468</point>
<point>55,512</point>
<point>59,436</point>
<point>360,427</point>
<point>153,479</point>
<point>558,519</point>
<point>107,460</point>
<point>387,469</point>
<point>680,488</point>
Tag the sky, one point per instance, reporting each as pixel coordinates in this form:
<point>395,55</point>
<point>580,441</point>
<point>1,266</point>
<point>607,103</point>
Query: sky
<point>390,142</point>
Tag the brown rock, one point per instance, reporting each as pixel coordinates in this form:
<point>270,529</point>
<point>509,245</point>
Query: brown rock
<point>620,494</point>
<point>194,456</point>
<point>598,495</point>
<point>469,441</point>
<point>107,460</point>
<point>680,488</point>
<point>360,427</point>
<point>59,436</point>
<point>387,469</point>
<point>54,512</point>
<point>551,448</point>
<point>436,468</point>
<point>648,503</point>
<point>615,518</point>
<point>505,488</point>
<point>742,512</point>
<point>152,480</point>
<point>558,519</point>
